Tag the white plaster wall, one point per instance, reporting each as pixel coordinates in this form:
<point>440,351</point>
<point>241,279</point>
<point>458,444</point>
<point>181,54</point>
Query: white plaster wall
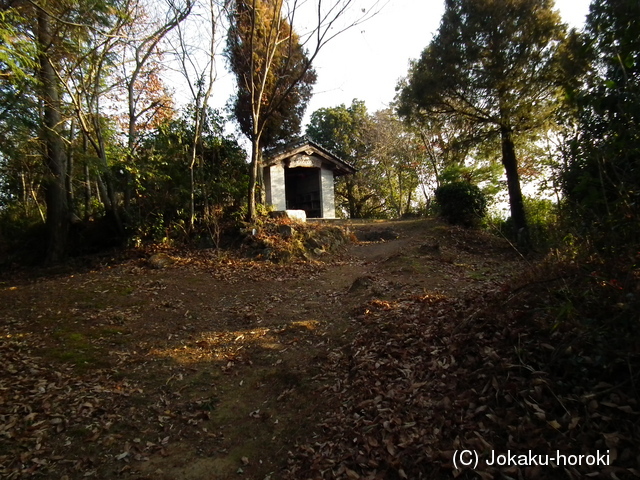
<point>327,193</point>
<point>275,187</point>
<point>266,176</point>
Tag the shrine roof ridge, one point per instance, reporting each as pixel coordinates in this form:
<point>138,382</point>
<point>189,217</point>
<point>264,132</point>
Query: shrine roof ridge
<point>300,142</point>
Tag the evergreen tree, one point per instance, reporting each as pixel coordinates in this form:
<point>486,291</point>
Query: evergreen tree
<point>346,132</point>
<point>602,178</point>
<point>274,78</point>
<point>493,63</point>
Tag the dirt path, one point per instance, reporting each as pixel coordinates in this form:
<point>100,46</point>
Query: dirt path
<point>204,369</point>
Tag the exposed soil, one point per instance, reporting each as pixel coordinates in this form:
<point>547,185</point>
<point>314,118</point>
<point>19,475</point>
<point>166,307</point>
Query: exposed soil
<point>209,368</point>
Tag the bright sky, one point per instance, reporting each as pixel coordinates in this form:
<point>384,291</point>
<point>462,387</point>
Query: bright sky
<point>367,61</point>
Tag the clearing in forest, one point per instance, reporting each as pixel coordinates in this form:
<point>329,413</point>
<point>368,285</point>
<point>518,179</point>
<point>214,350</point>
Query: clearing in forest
<point>216,368</point>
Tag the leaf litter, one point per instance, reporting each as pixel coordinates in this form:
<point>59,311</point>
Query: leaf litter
<point>434,350</point>
<point>428,375</point>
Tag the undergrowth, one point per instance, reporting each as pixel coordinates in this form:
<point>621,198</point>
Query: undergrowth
<point>281,240</point>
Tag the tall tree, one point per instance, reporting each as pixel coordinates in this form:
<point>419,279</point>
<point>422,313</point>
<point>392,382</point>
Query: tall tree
<point>17,52</point>
<point>274,77</point>
<point>447,142</point>
<point>197,64</point>
<point>54,157</point>
<point>273,67</point>
<point>19,156</point>
<point>346,131</point>
<point>147,98</point>
<point>495,63</point>
<point>55,22</point>
<point>397,152</point>
<point>602,176</point>
<point>77,45</point>
<point>88,79</point>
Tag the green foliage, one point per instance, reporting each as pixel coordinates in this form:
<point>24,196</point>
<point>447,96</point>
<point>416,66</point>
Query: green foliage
<point>545,227</point>
<point>345,131</point>
<point>478,173</point>
<point>493,64</point>
<point>461,203</point>
<point>543,220</point>
<point>602,175</point>
<point>342,130</point>
<point>164,184</point>
<point>398,154</point>
<point>18,53</point>
<point>273,73</point>
<point>387,154</point>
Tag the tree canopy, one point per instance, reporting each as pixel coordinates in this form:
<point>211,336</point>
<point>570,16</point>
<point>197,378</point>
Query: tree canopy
<point>274,78</point>
<point>83,93</point>
<point>602,178</point>
<point>492,63</point>
<point>388,156</point>
<point>273,72</point>
<point>84,110</point>
<point>345,131</point>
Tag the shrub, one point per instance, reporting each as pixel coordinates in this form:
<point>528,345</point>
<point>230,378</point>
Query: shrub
<point>542,217</point>
<point>22,236</point>
<point>461,203</point>
<point>543,220</point>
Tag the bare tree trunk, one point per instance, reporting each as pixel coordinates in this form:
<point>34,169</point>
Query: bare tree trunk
<point>192,206</point>
<point>516,203</point>
<point>407,209</point>
<point>25,205</point>
<point>103,193</point>
<point>55,160</point>
<point>353,211</point>
<point>261,194</point>
<point>144,49</point>
<point>131,142</point>
<point>253,178</point>
<point>87,193</point>
<point>69,176</point>
<point>200,112</point>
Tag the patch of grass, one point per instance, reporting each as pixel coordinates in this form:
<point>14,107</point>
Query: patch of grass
<point>76,349</point>
<point>78,358</point>
<point>123,290</point>
<point>480,274</point>
<point>77,339</point>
